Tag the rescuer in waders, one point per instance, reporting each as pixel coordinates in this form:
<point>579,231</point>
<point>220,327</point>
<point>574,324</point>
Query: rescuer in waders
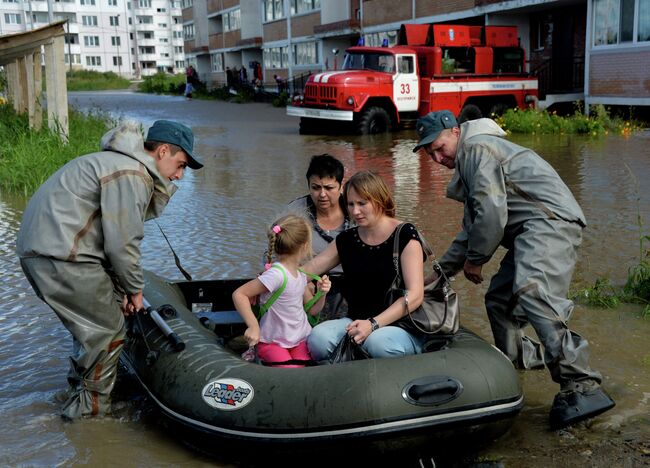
<point>514,198</point>
<point>79,246</point>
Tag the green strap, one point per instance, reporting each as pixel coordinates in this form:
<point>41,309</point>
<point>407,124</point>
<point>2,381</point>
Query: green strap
<point>274,297</point>
<point>313,319</point>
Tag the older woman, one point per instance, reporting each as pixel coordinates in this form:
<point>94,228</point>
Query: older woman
<point>365,253</point>
<point>324,208</point>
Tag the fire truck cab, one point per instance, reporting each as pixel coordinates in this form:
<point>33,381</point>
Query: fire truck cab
<point>469,70</point>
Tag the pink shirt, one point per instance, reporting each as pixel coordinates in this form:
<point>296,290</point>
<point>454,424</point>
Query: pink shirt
<point>285,323</point>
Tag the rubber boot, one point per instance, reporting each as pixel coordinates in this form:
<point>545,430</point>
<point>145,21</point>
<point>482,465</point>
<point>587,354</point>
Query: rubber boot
<point>574,406</point>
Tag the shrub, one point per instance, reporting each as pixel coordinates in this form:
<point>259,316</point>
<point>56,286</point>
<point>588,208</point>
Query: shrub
<point>88,80</point>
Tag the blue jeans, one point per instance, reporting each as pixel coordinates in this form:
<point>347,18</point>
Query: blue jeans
<point>385,342</point>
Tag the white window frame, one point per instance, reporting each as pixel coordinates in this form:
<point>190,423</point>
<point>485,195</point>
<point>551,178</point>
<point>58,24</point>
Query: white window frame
<point>13,18</point>
<point>272,10</point>
<point>606,24</point>
<point>231,20</point>
<point>89,20</point>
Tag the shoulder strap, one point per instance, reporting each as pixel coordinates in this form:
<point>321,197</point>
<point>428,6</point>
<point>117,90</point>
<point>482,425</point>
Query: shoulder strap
<point>277,293</point>
<point>313,320</point>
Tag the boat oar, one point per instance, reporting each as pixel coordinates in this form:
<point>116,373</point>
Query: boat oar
<point>174,339</point>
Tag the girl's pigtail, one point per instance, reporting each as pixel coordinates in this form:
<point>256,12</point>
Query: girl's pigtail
<point>271,250</point>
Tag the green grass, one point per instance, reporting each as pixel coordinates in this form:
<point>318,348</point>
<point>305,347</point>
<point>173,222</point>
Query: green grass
<point>163,83</point>
<point>28,158</point>
<point>533,121</point>
<point>88,80</point>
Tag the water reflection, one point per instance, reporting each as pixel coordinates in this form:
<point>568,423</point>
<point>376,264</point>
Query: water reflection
<point>255,163</point>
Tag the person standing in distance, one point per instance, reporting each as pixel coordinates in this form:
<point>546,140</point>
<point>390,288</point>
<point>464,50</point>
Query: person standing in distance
<point>514,198</point>
<point>79,246</point>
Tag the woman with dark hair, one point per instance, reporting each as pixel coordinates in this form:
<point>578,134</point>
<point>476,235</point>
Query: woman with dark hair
<point>324,207</point>
<point>365,253</point>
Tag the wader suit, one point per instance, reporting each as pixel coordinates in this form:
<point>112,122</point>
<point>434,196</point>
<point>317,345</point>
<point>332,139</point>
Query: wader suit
<point>79,246</point>
<point>514,198</point>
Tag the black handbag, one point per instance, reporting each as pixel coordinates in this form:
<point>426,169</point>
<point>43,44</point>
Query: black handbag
<point>348,350</point>
<point>439,311</point>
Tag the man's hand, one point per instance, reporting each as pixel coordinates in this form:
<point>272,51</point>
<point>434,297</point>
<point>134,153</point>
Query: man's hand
<point>134,303</point>
<point>473,272</point>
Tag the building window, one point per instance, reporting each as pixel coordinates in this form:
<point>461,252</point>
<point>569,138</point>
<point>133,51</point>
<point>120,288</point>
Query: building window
<point>621,21</point>
<point>144,3</point>
<point>377,39</point>
<point>145,19</point>
<point>115,20</point>
<point>13,18</point>
<point>188,31</point>
<point>91,41</point>
<point>112,2</point>
<point>93,61</point>
<point>276,57</point>
<point>10,1</point>
<point>76,59</point>
<point>217,62</point>
<point>115,41</point>
<point>147,50</point>
<point>89,20</point>
<point>304,6</point>
<point>162,25</point>
<point>117,61</point>
<point>87,2</point>
<point>180,63</point>
<point>305,53</point>
<point>644,21</point>
<point>161,10</point>
<point>186,3</point>
<point>273,10</point>
<point>177,34</point>
<point>164,39</point>
<point>232,20</point>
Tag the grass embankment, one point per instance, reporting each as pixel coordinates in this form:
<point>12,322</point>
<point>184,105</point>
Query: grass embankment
<point>28,158</point>
<point>600,122</point>
<point>163,83</point>
<point>87,80</point>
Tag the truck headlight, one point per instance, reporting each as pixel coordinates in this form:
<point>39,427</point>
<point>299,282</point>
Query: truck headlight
<point>350,101</point>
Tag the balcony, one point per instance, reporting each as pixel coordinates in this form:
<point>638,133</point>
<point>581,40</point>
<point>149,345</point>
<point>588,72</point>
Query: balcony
<point>337,26</point>
<point>215,41</point>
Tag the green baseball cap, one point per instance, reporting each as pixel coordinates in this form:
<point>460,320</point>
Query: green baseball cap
<point>166,131</point>
<point>430,126</point>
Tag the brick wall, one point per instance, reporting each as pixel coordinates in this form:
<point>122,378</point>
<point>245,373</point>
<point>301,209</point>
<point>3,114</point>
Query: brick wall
<point>275,31</point>
<point>429,8</point>
<point>385,11</point>
<point>304,25</point>
<point>622,74</point>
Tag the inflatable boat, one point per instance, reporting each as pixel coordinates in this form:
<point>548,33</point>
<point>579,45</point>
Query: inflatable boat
<point>461,388</point>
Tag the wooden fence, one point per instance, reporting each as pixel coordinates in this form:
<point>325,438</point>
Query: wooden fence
<point>21,55</point>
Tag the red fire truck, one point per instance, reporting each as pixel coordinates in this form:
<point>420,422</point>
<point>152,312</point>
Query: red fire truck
<point>470,70</point>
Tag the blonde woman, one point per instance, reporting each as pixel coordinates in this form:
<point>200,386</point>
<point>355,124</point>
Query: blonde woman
<point>365,253</point>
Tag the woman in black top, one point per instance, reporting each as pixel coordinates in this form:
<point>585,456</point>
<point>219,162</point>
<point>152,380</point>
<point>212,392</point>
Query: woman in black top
<point>366,255</point>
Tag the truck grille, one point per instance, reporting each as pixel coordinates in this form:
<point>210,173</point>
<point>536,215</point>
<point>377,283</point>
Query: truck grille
<point>318,94</point>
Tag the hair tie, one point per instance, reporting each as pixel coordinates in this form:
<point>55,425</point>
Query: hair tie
<point>267,266</point>
<point>276,229</point>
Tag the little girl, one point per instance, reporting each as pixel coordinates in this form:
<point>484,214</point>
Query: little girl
<point>283,329</point>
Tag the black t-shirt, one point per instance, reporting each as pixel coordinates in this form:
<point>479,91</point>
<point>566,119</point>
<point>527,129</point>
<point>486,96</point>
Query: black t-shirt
<point>368,270</point>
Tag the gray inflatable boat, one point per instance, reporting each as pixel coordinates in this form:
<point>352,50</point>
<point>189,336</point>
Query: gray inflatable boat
<point>461,388</point>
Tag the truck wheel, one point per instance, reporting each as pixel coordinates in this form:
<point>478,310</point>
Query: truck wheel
<point>374,120</point>
<point>307,126</point>
<point>498,109</point>
<point>469,112</point>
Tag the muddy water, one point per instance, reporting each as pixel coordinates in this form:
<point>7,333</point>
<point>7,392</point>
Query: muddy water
<point>255,163</point>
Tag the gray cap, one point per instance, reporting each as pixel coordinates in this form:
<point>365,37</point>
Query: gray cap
<point>166,131</point>
<point>430,126</point>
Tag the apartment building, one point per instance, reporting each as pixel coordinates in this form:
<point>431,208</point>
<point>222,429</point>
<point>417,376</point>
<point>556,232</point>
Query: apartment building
<point>598,50</point>
<point>131,38</point>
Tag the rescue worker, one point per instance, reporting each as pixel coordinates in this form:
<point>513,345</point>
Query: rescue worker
<point>79,246</point>
<point>514,198</point>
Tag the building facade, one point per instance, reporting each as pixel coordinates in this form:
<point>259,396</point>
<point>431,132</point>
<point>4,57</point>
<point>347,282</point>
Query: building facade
<point>131,38</point>
<point>597,50</point>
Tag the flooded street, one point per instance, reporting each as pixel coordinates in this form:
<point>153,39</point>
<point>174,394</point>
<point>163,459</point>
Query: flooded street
<point>255,164</point>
